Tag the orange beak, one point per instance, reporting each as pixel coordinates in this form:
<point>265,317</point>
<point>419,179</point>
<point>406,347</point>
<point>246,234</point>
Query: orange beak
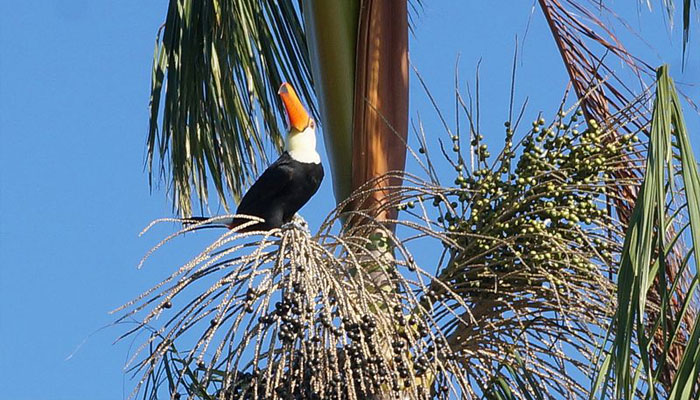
<point>298,117</point>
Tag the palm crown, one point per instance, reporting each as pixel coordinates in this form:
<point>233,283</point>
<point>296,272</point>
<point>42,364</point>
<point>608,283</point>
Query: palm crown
<point>565,206</point>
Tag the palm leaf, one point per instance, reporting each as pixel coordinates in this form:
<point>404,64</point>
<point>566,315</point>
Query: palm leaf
<point>217,64</point>
<point>662,213</point>
<point>670,6</point>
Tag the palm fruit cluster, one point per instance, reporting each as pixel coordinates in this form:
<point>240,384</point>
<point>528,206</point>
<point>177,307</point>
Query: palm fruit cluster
<point>360,363</point>
<point>319,331</point>
<point>540,207</point>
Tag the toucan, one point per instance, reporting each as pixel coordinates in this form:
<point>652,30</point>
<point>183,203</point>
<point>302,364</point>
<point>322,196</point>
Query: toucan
<point>288,183</point>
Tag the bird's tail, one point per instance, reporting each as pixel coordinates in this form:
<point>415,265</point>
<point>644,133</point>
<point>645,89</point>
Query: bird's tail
<point>224,221</point>
<point>211,222</point>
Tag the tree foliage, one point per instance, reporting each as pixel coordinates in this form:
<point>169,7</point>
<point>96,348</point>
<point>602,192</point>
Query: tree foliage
<point>523,295</point>
<point>214,108</point>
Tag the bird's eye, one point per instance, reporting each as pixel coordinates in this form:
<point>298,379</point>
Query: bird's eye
<point>312,124</point>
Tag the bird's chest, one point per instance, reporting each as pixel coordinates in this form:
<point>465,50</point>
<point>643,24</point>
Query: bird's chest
<point>304,182</point>
<point>306,178</point>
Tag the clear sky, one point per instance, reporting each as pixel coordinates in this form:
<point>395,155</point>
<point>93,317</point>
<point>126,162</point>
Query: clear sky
<point>74,86</point>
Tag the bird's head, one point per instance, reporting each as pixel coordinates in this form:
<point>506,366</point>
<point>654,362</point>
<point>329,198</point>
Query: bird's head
<point>301,140</point>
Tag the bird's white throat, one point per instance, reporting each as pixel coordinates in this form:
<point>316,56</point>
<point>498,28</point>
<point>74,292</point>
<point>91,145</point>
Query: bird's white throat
<point>301,146</point>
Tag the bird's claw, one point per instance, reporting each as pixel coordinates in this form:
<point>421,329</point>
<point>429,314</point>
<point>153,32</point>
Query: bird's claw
<point>299,223</point>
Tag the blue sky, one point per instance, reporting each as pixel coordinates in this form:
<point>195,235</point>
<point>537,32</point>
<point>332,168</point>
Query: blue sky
<point>74,86</point>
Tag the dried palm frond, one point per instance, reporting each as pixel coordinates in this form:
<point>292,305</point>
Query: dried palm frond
<point>587,47</point>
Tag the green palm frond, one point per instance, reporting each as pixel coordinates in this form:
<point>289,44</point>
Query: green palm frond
<point>217,66</point>
<point>667,210</point>
<point>331,27</point>
<point>589,48</point>
<point>516,375</point>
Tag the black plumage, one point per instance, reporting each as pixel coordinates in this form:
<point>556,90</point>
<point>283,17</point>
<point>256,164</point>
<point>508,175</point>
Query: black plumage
<point>280,192</point>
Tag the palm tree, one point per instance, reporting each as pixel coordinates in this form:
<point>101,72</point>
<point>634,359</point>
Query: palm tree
<point>218,59</point>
